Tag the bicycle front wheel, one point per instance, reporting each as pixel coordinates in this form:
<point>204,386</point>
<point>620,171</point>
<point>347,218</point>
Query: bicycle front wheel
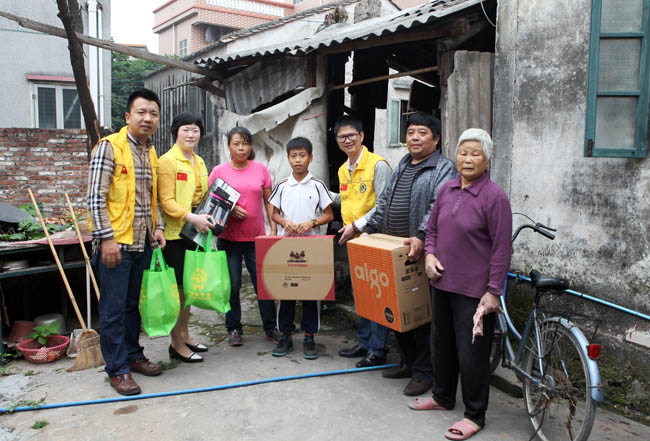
<point>560,407</point>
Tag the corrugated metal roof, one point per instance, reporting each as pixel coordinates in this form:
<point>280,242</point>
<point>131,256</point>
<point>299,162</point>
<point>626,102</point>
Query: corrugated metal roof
<point>344,32</point>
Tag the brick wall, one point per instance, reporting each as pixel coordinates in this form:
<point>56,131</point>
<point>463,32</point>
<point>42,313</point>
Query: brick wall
<point>51,162</point>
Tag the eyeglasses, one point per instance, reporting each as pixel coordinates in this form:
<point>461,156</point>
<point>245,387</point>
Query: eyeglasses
<point>343,138</point>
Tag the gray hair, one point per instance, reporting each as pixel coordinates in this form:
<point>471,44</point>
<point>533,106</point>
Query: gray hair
<point>478,135</point>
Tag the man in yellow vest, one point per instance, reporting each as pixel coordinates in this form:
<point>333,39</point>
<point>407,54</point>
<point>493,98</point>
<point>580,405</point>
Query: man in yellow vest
<point>362,179</point>
<point>126,223</point>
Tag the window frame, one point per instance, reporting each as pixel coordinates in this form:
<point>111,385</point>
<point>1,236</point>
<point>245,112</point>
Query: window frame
<point>58,104</point>
<point>639,149</point>
<point>393,118</point>
<point>182,47</point>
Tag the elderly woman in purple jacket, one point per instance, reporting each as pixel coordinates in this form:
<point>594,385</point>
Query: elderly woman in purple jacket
<point>467,250</point>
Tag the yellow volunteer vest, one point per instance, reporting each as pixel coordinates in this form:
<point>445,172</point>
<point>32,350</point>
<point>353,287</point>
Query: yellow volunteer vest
<point>185,187</point>
<point>120,201</point>
<point>358,191</point>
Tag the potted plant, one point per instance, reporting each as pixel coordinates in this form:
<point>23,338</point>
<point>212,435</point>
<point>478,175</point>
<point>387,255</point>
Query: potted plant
<point>44,345</point>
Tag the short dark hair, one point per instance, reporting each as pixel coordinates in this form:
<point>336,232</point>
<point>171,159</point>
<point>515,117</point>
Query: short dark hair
<point>185,119</point>
<point>299,143</point>
<point>424,119</point>
<point>147,94</point>
<point>348,120</point>
<point>246,135</point>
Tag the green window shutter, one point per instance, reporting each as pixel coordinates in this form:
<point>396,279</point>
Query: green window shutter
<point>394,122</point>
<point>618,83</point>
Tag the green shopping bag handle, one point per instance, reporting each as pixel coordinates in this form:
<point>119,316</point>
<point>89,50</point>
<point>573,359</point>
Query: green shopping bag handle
<point>157,256</point>
<point>207,240</point>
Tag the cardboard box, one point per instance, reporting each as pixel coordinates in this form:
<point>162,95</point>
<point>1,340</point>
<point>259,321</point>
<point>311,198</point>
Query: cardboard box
<point>295,268</point>
<point>388,289</point>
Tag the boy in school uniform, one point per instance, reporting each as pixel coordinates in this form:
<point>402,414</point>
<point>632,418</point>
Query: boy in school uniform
<point>301,204</point>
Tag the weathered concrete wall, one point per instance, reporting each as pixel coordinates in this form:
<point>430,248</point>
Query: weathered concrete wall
<point>382,146</point>
<point>600,206</point>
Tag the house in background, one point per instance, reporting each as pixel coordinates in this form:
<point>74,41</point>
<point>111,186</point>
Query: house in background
<point>37,77</point>
<point>43,143</point>
<point>185,26</point>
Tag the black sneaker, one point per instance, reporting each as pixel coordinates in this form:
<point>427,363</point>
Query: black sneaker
<point>285,345</point>
<point>309,347</point>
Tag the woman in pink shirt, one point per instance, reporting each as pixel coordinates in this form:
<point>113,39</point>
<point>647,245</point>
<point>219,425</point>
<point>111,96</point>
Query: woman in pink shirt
<point>253,181</point>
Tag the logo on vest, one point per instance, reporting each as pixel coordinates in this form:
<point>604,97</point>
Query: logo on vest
<point>362,188</point>
<point>377,279</point>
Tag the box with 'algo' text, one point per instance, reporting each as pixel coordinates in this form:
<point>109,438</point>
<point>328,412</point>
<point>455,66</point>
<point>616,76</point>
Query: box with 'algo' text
<point>388,289</point>
<point>295,267</point>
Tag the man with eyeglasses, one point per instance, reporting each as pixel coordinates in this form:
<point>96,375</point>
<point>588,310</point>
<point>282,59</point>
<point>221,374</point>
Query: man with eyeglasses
<point>362,180</point>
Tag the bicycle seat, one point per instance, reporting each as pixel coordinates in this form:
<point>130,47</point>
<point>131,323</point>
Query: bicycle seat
<point>544,284</point>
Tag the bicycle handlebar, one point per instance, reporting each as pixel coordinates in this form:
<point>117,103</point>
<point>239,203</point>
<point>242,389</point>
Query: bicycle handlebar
<point>539,228</point>
<point>545,227</point>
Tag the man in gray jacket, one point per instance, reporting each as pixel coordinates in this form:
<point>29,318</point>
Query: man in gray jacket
<point>403,210</point>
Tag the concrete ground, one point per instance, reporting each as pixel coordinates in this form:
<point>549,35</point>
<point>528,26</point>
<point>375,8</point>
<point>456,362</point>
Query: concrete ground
<point>355,406</point>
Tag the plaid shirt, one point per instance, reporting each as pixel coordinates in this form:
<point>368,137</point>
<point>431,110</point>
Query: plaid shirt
<point>102,166</point>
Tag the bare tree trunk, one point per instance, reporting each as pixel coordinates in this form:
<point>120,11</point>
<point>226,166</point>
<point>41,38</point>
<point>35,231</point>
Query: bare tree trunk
<point>70,15</point>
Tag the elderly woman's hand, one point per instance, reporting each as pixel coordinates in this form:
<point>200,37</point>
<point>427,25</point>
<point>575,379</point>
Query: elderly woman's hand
<point>433,267</point>
<point>489,303</point>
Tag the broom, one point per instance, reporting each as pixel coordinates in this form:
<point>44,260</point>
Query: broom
<point>90,354</point>
<point>83,247</point>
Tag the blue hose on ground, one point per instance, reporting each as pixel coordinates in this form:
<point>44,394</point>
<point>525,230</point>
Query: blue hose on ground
<point>194,391</point>
<point>593,299</point>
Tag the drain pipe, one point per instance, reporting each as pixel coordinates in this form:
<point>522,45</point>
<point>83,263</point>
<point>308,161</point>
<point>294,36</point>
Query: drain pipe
<point>194,391</point>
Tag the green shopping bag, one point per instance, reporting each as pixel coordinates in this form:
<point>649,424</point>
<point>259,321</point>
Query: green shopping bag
<point>206,281</point>
<point>159,302</point>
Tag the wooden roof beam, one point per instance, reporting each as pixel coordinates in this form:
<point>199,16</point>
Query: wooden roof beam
<point>332,87</point>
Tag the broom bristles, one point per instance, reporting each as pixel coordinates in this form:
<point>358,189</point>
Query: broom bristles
<point>89,353</point>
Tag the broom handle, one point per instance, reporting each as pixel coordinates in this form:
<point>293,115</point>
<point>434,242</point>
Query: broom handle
<point>56,259</point>
<point>83,247</point>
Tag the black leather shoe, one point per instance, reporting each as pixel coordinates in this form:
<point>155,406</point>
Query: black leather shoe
<point>401,371</point>
<point>353,352</point>
<point>417,387</point>
<point>371,360</point>
<point>193,358</point>
<point>199,347</point>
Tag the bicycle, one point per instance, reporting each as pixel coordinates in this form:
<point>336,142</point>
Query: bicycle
<point>554,360</point>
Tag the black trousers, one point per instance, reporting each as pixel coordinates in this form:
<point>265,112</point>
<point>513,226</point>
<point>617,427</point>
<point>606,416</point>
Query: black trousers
<point>453,354</point>
<point>310,316</point>
<point>415,349</point>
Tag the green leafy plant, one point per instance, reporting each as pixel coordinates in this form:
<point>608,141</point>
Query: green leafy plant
<point>39,424</point>
<point>41,332</point>
<point>30,228</point>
